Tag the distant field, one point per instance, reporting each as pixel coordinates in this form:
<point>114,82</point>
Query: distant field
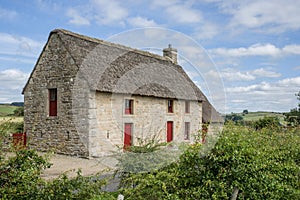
<point>12,119</point>
<point>7,109</point>
<point>253,116</point>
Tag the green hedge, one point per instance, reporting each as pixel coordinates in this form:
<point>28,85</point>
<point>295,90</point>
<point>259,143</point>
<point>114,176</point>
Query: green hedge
<point>260,164</point>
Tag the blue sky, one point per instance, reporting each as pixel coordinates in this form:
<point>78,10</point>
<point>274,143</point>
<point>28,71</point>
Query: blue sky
<point>254,45</point>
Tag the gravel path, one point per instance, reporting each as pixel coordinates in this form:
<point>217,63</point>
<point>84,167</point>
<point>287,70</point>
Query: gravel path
<point>63,163</point>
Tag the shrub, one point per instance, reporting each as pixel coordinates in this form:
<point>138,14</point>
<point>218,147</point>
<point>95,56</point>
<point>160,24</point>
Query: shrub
<point>20,178</point>
<point>255,164</point>
<point>18,112</point>
<point>20,175</point>
<point>267,122</point>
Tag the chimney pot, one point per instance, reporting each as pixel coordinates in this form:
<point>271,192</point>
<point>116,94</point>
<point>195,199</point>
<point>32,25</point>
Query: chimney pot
<point>170,53</point>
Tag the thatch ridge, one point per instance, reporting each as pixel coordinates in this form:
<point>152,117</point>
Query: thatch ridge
<point>110,44</point>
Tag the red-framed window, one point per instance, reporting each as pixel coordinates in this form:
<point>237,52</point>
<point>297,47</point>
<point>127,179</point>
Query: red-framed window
<point>187,126</point>
<point>187,106</point>
<point>170,106</point>
<point>52,102</point>
<point>129,106</point>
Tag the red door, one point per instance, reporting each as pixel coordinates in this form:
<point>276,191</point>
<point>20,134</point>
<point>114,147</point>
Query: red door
<point>127,135</point>
<point>169,131</point>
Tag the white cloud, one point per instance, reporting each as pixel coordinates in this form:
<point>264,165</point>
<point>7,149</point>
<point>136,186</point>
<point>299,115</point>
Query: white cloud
<point>76,18</point>
<point>109,11</point>
<point>269,96</point>
<point>253,50</point>
<point>13,79</point>
<point>160,3</point>
<point>290,82</point>
<point>141,22</point>
<point>268,16</point>
<point>103,12</point>
<point>292,49</point>
<point>261,72</point>
<point>230,74</point>
<point>257,50</point>
<point>206,30</point>
<point>7,14</point>
<point>179,12</point>
<point>19,45</point>
<point>184,14</point>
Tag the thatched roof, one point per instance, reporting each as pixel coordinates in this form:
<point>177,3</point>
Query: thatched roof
<point>109,67</point>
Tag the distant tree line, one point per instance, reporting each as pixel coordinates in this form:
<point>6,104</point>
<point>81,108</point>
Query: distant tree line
<point>17,104</point>
<point>292,118</point>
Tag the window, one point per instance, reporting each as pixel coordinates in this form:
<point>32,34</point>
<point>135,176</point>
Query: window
<point>170,106</point>
<point>187,130</point>
<point>129,106</point>
<point>52,102</point>
<point>187,106</point>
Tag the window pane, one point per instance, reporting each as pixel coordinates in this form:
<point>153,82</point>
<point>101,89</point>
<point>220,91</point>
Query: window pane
<point>170,106</point>
<point>128,106</point>
<point>53,94</point>
<point>187,106</point>
<point>187,130</point>
<point>53,102</point>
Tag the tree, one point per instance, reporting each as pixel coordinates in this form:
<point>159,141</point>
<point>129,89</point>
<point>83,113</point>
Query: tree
<point>19,111</point>
<point>293,117</point>
<point>245,112</point>
<point>233,117</point>
<point>298,97</point>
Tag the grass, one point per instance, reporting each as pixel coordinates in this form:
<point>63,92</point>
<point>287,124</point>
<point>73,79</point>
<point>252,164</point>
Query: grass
<point>6,114</point>
<point>11,119</point>
<point>254,116</point>
<point>6,110</point>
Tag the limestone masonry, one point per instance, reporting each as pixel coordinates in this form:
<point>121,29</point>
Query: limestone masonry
<point>87,97</point>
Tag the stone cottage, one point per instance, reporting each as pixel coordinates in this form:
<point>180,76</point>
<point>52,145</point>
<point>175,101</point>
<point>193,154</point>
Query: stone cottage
<point>86,97</point>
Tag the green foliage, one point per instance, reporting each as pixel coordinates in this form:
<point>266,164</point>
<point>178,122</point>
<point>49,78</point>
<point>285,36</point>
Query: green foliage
<point>6,110</point>
<point>233,117</point>
<point>20,175</point>
<point>293,117</point>
<point>10,126</point>
<point>19,111</point>
<point>79,187</point>
<point>267,122</point>
<point>148,155</point>
<point>260,164</point>
<point>245,112</point>
<point>20,178</point>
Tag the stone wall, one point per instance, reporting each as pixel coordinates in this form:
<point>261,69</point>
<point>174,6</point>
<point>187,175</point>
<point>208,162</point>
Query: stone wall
<point>55,69</point>
<point>149,118</point>
<point>90,123</point>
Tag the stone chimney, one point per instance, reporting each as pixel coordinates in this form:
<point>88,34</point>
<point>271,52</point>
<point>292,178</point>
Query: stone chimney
<point>170,53</point>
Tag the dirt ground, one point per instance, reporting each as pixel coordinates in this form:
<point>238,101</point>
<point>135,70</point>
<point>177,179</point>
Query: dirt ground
<point>70,165</point>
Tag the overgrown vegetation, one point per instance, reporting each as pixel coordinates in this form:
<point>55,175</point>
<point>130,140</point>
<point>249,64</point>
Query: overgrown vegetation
<point>260,164</point>
<point>259,161</point>
<point>20,177</point>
